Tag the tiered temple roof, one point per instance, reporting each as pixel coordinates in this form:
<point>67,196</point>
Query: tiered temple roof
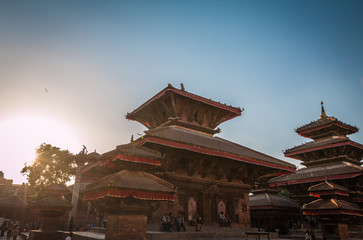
<point>182,120</point>
<point>269,199</point>
<point>332,155</point>
<point>173,106</point>
<point>331,207</point>
<point>140,185</point>
<point>319,173</point>
<point>330,202</point>
<point>328,188</point>
<point>325,126</point>
<point>11,202</point>
<point>182,138</point>
<point>126,156</point>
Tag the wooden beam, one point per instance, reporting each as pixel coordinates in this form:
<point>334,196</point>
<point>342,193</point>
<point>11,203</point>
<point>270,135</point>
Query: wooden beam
<point>194,167</point>
<point>234,173</point>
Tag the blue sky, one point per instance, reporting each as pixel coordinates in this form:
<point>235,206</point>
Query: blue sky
<point>101,59</point>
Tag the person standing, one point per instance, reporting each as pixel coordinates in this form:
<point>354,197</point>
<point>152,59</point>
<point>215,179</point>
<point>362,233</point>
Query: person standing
<point>198,226</point>
<point>171,222</point>
<point>8,234</point>
<point>4,227</point>
<point>180,221</point>
<point>164,223</point>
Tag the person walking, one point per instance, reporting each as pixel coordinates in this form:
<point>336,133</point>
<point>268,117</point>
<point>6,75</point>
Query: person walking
<point>15,233</point>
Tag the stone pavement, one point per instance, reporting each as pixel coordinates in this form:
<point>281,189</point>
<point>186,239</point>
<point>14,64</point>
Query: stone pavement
<point>178,235</point>
<point>4,238</point>
<point>162,236</point>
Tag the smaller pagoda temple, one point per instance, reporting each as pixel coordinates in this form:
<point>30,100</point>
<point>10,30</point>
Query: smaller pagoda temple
<point>127,197</point>
<point>330,156</point>
<point>332,210</point>
<point>335,160</point>
<point>272,212</point>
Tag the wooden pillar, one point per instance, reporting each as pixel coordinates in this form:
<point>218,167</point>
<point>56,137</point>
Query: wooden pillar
<point>75,194</point>
<point>215,202</point>
<point>200,204</point>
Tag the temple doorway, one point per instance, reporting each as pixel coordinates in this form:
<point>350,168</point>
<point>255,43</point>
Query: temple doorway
<point>211,196</point>
<point>192,209</point>
<point>221,207</point>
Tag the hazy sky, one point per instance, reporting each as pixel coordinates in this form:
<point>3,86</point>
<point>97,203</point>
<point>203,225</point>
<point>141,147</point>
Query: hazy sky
<point>99,60</point>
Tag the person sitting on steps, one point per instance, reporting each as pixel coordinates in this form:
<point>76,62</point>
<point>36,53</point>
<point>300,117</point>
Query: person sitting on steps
<point>222,220</point>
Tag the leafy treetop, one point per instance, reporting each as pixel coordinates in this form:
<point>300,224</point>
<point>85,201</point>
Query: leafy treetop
<point>51,166</point>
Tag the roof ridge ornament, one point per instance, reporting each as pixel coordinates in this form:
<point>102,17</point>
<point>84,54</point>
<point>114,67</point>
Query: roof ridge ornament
<point>323,114</point>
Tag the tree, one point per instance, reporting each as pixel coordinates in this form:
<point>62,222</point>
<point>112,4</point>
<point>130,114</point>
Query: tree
<point>285,193</point>
<point>51,166</point>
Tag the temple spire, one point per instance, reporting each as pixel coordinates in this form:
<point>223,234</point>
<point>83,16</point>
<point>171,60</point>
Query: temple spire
<point>323,114</point>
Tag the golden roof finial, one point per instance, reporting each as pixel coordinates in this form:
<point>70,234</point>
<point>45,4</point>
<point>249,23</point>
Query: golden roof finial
<point>323,114</point>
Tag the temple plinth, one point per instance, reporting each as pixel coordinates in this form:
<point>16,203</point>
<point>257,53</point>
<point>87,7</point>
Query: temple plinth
<point>127,219</point>
<point>52,206</point>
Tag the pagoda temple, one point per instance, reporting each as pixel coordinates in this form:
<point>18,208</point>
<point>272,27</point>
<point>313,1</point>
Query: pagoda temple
<point>333,168</point>
<point>210,174</point>
<point>330,156</point>
<point>270,211</point>
<point>332,210</point>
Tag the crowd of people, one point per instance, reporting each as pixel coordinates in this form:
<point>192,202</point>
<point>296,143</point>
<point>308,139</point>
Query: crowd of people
<point>9,230</point>
<point>169,223</point>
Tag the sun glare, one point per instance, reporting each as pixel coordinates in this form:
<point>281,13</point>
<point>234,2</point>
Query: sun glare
<point>19,136</point>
